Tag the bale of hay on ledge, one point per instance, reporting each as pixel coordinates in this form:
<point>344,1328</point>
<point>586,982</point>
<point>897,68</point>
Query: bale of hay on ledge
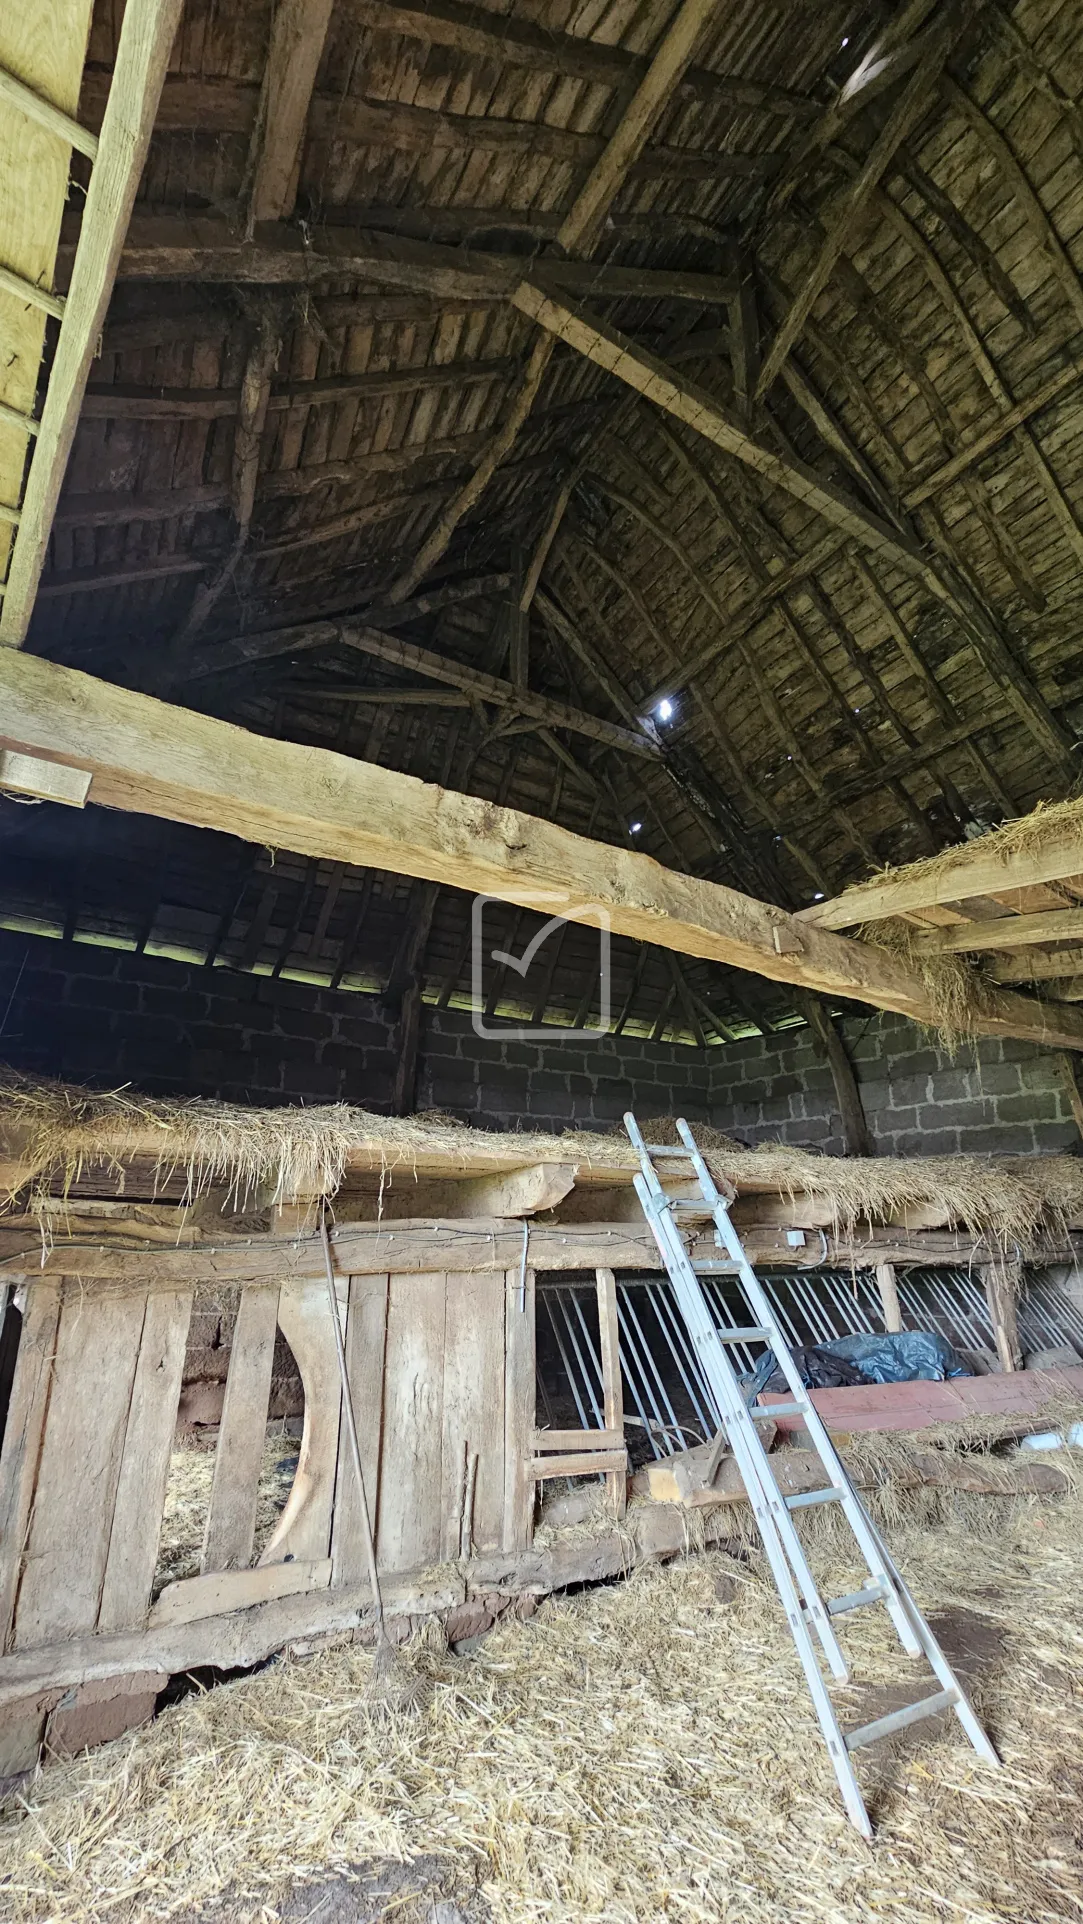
<point>641,1752</point>
<point>280,1154</point>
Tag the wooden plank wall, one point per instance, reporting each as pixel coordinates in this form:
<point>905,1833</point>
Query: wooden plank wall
<point>441,1368</point>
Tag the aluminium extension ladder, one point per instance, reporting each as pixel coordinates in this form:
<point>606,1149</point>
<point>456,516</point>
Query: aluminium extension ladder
<point>805,1608</point>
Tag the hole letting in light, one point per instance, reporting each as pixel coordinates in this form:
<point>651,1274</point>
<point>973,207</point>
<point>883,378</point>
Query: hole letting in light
<point>665,710</point>
<point>846,42</point>
<point>634,828</point>
<point>819,895</point>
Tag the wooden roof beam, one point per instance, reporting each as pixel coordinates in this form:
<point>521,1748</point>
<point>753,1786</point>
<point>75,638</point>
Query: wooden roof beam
<point>206,250</point>
<point>1007,932</point>
<point>542,49</point>
<point>911,103</point>
<point>682,397</point>
<point>154,758</point>
<point>146,40</point>
<point>986,867</point>
<point>298,32</point>
<point>578,234</point>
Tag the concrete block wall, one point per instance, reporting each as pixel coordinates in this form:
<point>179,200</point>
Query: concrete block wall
<point>995,1097</point>
<point>105,1017</point>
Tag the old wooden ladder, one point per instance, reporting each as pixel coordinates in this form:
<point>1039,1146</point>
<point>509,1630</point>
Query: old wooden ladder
<point>806,1610</point>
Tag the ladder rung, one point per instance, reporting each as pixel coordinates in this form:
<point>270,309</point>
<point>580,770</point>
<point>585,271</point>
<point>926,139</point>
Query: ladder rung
<point>770,1410</point>
<point>898,1719</point>
<point>699,1204</point>
<point>717,1269</point>
<point>872,1593</point>
<point>744,1335</point>
<point>663,1150</point>
<point>808,1497</point>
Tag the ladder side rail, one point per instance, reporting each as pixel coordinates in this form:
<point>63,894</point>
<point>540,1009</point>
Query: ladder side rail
<point>764,1494</point>
<point>868,1542</point>
<point>931,1649</point>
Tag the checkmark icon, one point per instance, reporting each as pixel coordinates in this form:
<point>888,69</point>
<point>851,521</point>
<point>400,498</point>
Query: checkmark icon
<point>500,997</point>
<point>522,963</point>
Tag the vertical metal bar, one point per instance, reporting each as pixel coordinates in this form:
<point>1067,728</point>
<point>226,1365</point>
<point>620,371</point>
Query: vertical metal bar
<point>569,1373</point>
<point>632,1341</point>
<point>652,1368</point>
<point>668,1322</point>
<point>589,1380</point>
<point>773,1287</point>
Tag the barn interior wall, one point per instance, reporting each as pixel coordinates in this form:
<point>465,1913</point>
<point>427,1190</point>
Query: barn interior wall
<point>104,1017</point>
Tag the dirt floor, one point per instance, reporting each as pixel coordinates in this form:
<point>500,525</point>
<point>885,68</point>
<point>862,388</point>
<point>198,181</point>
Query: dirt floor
<point>642,1751</point>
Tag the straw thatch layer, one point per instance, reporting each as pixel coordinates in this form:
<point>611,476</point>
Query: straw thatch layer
<point>277,1155</point>
<point>642,1752</point>
<point>1023,836</point>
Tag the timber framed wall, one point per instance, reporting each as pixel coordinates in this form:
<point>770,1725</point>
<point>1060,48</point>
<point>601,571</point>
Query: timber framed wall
<point>88,1014</point>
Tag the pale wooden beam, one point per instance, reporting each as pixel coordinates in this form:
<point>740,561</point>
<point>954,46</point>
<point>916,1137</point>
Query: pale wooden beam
<point>146,39</point>
<point>1037,965</point>
<point>298,31</point>
<point>34,166</point>
<point>36,107</point>
<point>507,694</point>
<point>889,1297</point>
<point>154,758</point>
<point>682,397</point>
<point>989,866</point>
<point>1007,932</point>
<point>911,103</point>
<point>578,234</point>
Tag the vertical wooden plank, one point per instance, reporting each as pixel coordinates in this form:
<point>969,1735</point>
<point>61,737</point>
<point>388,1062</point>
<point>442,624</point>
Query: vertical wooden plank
<point>616,1481</point>
<point>408,1533</point>
<point>231,1515</point>
<point>1002,1283</point>
<point>473,1415</point>
<point>21,1453</point>
<point>304,1317</point>
<point>144,1464</point>
<point>520,1395</point>
<point>365,1341</point>
<point>889,1297</point>
<point>97,1346</point>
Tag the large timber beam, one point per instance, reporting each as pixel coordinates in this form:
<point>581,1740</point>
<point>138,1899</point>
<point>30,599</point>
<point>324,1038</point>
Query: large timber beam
<point>658,381</point>
<point>152,758</point>
<point>999,862</point>
<point>203,248</point>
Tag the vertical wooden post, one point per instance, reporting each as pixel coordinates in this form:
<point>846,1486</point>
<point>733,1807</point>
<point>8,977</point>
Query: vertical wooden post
<point>23,1436</point>
<point>231,1515</point>
<point>520,1343</point>
<point>1002,1280</point>
<point>612,1384</point>
<point>889,1297</point>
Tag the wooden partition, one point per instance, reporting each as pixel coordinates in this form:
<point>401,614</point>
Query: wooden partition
<point>442,1372</point>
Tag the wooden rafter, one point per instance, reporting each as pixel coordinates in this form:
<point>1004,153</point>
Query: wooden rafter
<point>143,50</point>
<point>578,234</point>
<point>298,31</point>
<point>157,759</point>
<point>911,103</point>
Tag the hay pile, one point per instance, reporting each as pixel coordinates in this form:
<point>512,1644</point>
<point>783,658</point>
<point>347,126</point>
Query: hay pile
<point>637,1753</point>
<point>280,1154</point>
<point>188,1497</point>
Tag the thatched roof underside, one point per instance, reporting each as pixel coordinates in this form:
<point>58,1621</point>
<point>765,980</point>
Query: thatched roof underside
<point>836,705</point>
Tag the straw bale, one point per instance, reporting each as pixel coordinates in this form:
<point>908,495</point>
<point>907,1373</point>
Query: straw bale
<point>282,1154</point>
<point>642,1751</point>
